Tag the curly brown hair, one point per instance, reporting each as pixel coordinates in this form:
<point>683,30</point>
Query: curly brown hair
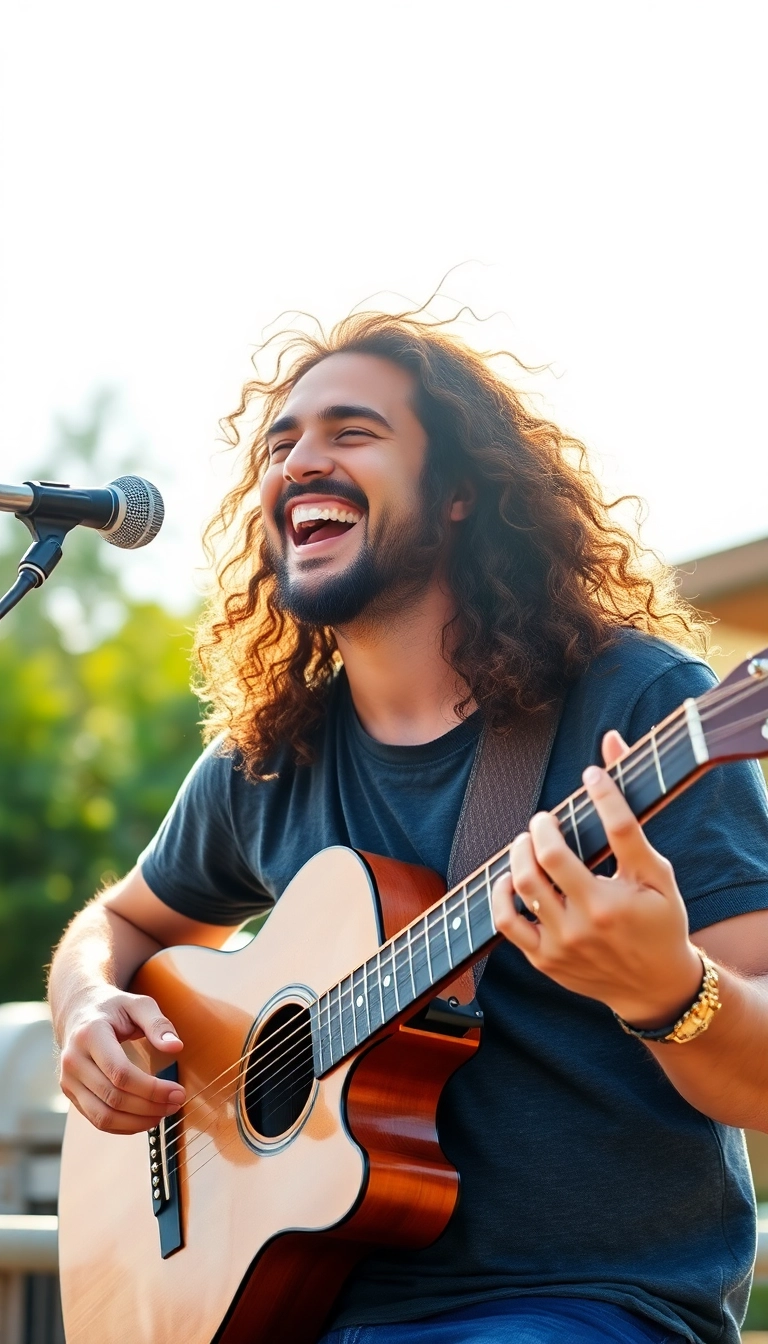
<point>543,574</point>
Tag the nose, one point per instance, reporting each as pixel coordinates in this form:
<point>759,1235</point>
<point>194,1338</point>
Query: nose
<point>307,459</point>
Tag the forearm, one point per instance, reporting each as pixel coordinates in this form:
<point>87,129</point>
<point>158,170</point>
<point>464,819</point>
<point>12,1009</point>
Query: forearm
<point>724,1071</point>
<point>99,949</point>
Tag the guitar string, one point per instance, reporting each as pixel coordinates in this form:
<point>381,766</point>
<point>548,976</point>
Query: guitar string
<point>645,755</point>
<point>583,805</point>
<point>300,1059</point>
<point>303,1057</point>
<point>664,740</point>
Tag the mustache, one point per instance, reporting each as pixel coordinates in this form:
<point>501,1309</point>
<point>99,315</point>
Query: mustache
<point>334,489</point>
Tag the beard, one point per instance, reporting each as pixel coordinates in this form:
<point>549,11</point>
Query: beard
<point>389,570</point>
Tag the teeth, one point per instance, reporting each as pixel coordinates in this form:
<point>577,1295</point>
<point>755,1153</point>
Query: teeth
<point>312,513</point>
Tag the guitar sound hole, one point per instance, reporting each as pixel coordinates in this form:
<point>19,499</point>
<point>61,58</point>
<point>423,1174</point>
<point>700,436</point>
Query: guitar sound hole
<point>280,1073</point>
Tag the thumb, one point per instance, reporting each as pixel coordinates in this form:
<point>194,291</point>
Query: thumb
<point>158,1029</point>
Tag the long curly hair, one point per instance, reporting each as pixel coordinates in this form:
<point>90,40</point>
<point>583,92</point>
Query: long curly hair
<point>542,572</point>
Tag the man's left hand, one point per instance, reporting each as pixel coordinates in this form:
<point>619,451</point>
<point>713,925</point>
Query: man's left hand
<point>622,940</point>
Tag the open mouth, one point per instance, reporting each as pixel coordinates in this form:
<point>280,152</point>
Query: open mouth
<point>312,523</point>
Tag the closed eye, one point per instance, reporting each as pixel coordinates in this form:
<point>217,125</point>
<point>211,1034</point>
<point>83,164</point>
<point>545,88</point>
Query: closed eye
<point>367,432</point>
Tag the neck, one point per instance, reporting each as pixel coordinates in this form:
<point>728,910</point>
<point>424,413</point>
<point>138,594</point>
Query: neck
<point>403,689</point>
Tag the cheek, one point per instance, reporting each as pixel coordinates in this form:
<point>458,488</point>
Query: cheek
<point>269,493</point>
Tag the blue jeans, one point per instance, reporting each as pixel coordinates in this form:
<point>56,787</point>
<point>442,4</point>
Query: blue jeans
<point>517,1320</point>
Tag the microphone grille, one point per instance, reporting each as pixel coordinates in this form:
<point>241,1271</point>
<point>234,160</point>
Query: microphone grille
<point>142,514</point>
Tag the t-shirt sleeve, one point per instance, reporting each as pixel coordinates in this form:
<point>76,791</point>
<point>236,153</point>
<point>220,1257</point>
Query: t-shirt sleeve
<point>715,834</point>
<point>195,864</point>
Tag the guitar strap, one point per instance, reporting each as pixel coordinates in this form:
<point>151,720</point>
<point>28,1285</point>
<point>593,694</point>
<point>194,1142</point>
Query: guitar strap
<point>501,796</point>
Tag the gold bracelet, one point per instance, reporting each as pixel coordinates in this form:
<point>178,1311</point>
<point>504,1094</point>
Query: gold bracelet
<point>695,1019</point>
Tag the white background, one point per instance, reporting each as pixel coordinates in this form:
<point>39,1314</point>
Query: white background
<point>175,175</point>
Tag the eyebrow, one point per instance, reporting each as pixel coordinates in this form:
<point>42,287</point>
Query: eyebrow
<point>289,422</point>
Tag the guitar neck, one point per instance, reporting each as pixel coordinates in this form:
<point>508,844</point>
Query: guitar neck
<point>459,928</point>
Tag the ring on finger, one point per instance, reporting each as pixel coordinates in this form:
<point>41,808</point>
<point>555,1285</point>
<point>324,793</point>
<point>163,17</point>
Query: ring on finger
<point>536,906</point>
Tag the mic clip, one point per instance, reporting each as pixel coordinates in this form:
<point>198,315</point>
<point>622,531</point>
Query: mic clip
<point>42,557</point>
<point>39,561</point>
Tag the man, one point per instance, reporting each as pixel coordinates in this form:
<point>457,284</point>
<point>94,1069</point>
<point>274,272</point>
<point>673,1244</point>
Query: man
<point>427,556</point>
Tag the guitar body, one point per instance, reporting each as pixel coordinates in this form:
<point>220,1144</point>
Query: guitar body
<point>272,1219</point>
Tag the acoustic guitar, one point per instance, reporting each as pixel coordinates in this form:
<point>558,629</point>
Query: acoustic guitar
<point>313,1062</point>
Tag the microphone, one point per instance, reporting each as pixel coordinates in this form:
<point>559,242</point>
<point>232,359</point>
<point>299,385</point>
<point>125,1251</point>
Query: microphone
<point>128,512</point>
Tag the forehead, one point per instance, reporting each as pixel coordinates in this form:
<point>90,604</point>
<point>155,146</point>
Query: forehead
<point>353,379</point>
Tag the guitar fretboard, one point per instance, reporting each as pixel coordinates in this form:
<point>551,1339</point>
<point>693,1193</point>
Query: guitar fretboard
<point>438,945</point>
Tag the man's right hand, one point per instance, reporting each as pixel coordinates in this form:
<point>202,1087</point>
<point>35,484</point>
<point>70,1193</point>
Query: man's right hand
<point>98,1077</point>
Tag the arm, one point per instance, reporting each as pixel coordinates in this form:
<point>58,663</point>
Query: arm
<point>726,1073</point>
<point>92,1012</point>
<point>624,940</point>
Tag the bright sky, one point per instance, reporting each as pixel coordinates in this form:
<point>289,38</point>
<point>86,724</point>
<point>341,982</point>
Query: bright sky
<point>176,175</point>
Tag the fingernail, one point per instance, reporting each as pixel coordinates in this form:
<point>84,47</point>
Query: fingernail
<point>176,1097</point>
<point>170,1036</point>
<point>591,775</point>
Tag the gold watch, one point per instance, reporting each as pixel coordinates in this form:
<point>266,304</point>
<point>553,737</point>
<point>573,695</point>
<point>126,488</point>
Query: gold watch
<point>695,1019</point>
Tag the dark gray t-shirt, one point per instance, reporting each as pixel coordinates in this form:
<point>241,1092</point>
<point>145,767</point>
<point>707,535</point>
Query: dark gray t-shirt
<point>583,1171</point>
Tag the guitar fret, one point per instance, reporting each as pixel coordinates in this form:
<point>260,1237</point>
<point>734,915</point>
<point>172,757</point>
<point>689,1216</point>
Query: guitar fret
<point>402,970</point>
<point>466,915</point>
<point>410,960</point>
<point>574,824</point>
<point>381,996</point>
<point>352,1008</point>
<point>394,977</point>
<point>359,1005</point>
<point>422,968</point>
<point>447,936</point>
<point>619,776</point>
<point>388,984</point>
<point>341,1019</point>
<point>489,898</point>
<point>657,762</point>
<point>365,992</point>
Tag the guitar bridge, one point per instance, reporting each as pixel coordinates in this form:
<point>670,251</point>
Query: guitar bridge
<point>163,1168</point>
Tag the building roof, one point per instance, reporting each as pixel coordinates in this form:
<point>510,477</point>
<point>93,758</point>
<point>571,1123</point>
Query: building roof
<point>707,576</point>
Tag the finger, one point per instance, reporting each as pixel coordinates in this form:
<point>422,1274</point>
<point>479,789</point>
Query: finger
<point>90,1077</point>
<point>613,746</point>
<point>157,1028</point>
<point>531,883</point>
<point>557,861</point>
<point>625,835</point>
<point>105,1118</point>
<point>513,926</point>
<point>111,1059</point>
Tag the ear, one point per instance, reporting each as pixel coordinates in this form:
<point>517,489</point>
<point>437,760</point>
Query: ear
<point>463,501</point>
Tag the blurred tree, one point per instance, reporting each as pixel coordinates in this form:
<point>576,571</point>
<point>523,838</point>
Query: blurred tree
<point>97,728</point>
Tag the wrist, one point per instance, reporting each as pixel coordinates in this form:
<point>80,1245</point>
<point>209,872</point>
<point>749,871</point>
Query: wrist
<point>696,1018</point>
<point>79,1005</point>
<point>664,1003</point>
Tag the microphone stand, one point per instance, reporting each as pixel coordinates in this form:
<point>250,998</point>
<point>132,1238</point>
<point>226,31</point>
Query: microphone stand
<point>39,561</point>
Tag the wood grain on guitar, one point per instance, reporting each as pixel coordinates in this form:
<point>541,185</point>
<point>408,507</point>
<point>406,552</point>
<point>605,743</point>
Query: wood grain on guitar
<point>309,1131</point>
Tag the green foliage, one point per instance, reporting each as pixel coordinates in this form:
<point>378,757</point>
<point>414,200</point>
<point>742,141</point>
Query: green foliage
<point>757,1312</point>
<point>96,734</point>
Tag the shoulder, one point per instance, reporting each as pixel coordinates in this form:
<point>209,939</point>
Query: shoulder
<point>639,670</point>
<point>631,686</point>
<point>643,658</point>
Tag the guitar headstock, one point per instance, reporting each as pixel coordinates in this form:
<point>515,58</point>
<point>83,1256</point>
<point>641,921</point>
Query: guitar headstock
<point>734,716</point>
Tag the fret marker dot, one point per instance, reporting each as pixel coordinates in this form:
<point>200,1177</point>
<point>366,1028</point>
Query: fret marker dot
<point>386,979</point>
<point>359,1000</point>
<point>456,924</point>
